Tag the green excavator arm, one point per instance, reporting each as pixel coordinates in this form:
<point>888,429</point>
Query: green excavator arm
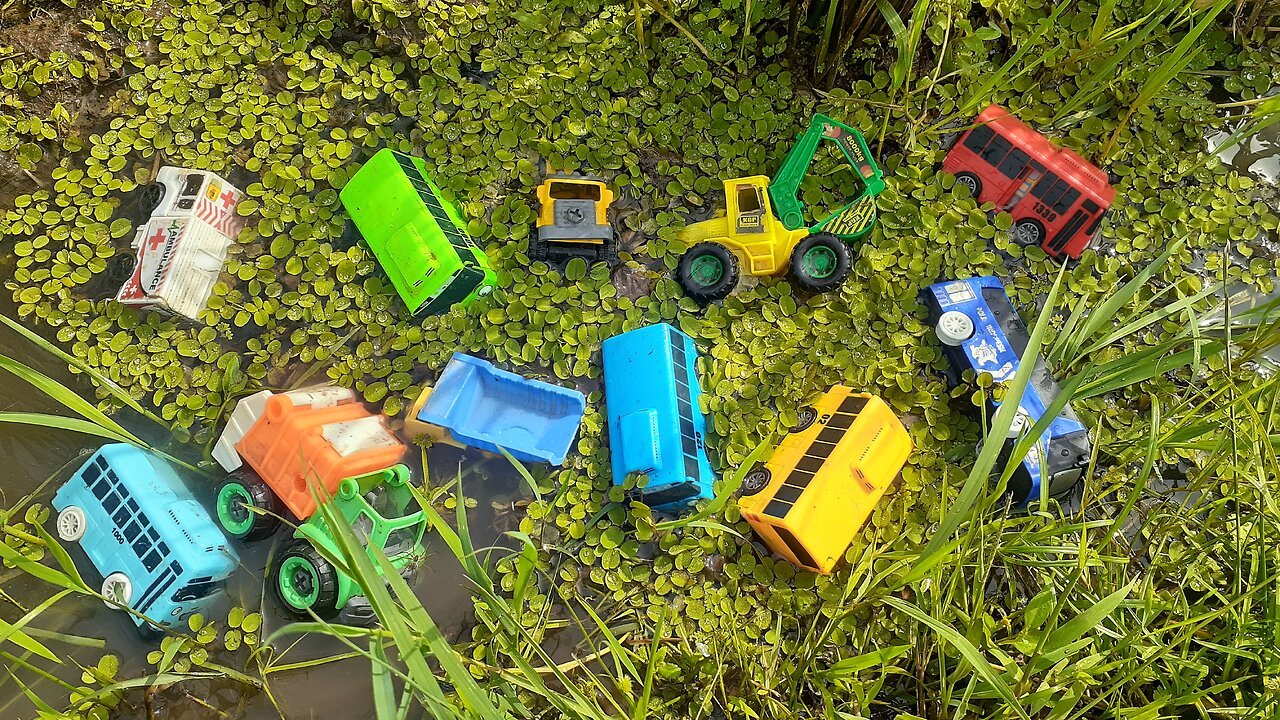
<point>855,218</point>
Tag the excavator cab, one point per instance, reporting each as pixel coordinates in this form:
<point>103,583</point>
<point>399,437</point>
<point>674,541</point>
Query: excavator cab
<point>749,216</point>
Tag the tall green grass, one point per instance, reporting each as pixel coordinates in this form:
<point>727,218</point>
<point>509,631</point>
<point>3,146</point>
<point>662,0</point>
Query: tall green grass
<point>1091,619</point>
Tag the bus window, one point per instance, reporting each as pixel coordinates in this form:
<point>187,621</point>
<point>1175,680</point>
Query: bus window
<point>978,138</point>
<point>1013,164</point>
<point>1050,193</point>
<point>198,588</point>
<point>996,150</point>
<point>802,555</point>
<point>1056,193</point>
<point>1066,200</point>
<point>1043,187</point>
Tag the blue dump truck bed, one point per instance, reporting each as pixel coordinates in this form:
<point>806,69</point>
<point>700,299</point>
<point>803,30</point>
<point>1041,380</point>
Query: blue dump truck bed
<point>474,404</point>
<point>980,330</point>
<point>655,426</point>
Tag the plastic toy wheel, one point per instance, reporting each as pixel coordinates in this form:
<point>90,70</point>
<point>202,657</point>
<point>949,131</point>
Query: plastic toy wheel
<point>1028,232</point>
<point>755,481</point>
<point>118,588</point>
<point>71,524</point>
<point>708,272</point>
<point>820,263</point>
<point>304,581</point>
<point>807,417</point>
<point>954,328</point>
<point>1021,423</point>
<point>119,268</point>
<point>150,199</point>
<point>970,181</point>
<point>235,500</point>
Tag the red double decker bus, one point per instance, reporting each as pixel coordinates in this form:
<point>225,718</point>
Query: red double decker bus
<point>1057,198</point>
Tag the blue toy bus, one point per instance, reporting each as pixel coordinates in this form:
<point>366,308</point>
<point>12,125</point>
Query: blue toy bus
<point>655,426</point>
<point>980,330</point>
<point>474,404</point>
<point>156,548</point>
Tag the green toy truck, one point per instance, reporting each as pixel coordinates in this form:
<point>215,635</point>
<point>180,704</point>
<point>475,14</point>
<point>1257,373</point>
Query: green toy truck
<point>380,508</point>
<point>417,236</point>
<point>288,454</point>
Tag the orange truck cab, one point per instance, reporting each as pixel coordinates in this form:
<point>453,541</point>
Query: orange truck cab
<point>812,497</point>
<point>296,438</point>
<point>286,451</point>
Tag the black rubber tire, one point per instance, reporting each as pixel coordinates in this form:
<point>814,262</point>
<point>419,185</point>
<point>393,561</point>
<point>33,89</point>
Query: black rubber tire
<point>1024,229</point>
<point>264,525</point>
<point>808,416</point>
<point>973,182</point>
<point>755,481</point>
<point>537,250</point>
<point>120,268</point>
<point>149,199</point>
<point>837,276</point>
<point>326,604</point>
<point>722,287</point>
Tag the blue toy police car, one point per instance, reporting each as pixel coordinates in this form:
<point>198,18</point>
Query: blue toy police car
<point>980,330</point>
<point>655,426</point>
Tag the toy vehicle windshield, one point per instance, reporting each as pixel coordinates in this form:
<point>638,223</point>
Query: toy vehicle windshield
<point>192,185</point>
<point>401,541</point>
<point>198,588</point>
<point>575,191</point>
<point>383,503</point>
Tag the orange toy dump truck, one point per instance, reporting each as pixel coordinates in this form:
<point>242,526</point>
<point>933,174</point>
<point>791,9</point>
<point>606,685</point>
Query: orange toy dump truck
<point>282,452</point>
<point>813,496</point>
<point>290,439</point>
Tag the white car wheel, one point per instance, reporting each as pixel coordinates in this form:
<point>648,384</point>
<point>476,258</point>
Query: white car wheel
<point>1021,423</point>
<point>954,328</point>
<point>71,524</point>
<point>117,587</point>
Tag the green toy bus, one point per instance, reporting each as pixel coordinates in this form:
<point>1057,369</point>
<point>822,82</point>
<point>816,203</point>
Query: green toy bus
<point>417,236</point>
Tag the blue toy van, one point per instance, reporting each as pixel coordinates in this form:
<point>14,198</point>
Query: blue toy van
<point>156,548</point>
<point>474,404</point>
<point>655,426</point>
<point>980,330</point>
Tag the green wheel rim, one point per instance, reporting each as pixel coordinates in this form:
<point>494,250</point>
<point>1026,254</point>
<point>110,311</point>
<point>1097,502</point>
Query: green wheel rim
<point>299,582</point>
<point>819,262</point>
<point>706,270</point>
<point>233,504</point>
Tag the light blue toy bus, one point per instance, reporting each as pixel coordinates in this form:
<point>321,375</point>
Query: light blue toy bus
<point>156,548</point>
<point>655,426</point>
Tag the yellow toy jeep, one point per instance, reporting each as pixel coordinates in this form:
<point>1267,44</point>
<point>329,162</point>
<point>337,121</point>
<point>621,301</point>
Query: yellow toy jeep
<point>573,220</point>
<point>813,496</point>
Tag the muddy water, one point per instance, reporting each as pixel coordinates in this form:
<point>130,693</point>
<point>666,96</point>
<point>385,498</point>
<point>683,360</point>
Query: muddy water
<point>338,690</point>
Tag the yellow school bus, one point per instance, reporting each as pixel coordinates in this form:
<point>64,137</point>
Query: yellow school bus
<point>816,492</point>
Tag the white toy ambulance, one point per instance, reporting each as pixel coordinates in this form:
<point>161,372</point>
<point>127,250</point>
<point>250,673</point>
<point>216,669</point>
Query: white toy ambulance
<point>183,245</point>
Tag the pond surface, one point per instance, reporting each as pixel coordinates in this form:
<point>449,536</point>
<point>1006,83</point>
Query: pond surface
<point>38,461</point>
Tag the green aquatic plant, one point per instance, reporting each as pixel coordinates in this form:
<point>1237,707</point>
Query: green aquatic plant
<point>288,98</point>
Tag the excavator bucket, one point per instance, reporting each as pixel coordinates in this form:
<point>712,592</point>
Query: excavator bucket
<point>854,219</point>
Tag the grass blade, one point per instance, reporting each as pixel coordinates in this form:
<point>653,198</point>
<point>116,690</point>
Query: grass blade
<point>966,649</point>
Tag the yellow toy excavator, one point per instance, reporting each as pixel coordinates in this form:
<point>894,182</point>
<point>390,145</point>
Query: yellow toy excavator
<point>763,227</point>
